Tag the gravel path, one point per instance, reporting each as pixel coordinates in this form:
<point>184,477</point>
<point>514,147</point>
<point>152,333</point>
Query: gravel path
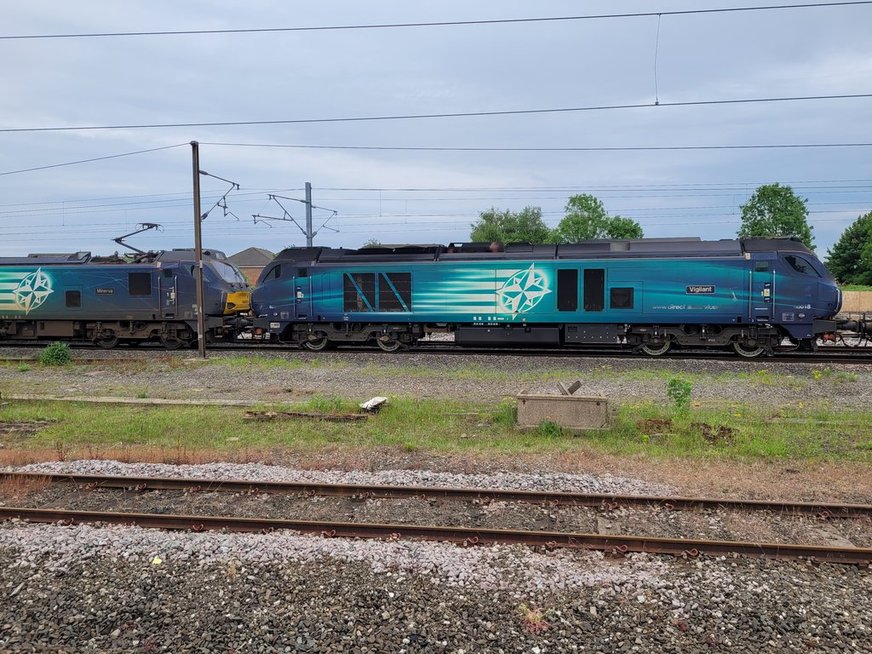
<point>122,589</point>
<point>290,376</point>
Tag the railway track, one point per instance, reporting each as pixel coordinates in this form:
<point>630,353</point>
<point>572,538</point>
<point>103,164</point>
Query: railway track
<point>834,355</point>
<point>367,491</point>
<point>616,544</point>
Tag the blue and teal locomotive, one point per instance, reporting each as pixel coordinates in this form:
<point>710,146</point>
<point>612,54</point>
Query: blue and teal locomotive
<point>111,300</point>
<point>752,295</point>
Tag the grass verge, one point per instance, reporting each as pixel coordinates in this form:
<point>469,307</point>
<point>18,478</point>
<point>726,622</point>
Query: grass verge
<point>194,434</point>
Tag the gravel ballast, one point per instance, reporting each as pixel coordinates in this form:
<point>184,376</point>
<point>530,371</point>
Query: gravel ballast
<point>565,482</point>
<point>361,375</point>
<point>120,589</point>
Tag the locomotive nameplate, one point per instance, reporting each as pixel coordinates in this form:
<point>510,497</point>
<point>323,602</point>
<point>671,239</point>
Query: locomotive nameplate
<point>105,291</point>
<point>701,289</point>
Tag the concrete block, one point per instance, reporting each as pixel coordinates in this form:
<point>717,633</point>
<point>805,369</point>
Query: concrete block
<point>570,411</point>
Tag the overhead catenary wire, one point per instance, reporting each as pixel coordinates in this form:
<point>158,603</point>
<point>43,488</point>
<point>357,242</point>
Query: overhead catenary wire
<point>91,160</point>
<point>430,116</point>
<point>445,23</point>
<point>580,148</point>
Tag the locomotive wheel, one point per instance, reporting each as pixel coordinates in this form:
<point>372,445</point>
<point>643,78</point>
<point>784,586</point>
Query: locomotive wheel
<point>388,343</point>
<point>107,340</point>
<point>657,350</point>
<point>172,342</point>
<point>747,351</point>
<point>316,344</point>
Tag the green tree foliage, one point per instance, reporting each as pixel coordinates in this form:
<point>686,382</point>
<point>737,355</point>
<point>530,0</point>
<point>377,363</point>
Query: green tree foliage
<point>586,218</point>
<point>850,259</point>
<point>776,211</point>
<point>372,243</point>
<point>621,227</point>
<point>525,226</point>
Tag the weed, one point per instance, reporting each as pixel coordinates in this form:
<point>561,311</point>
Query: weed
<point>678,390</point>
<point>533,619</point>
<point>506,414</point>
<point>23,367</point>
<point>18,487</point>
<point>550,429</point>
<point>142,395</point>
<point>56,354</point>
<point>845,377</point>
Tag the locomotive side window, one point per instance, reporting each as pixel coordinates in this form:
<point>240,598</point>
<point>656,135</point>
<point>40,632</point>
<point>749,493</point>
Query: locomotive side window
<point>358,291</point>
<point>139,284</point>
<point>73,299</point>
<point>395,291</point>
<point>594,289</point>
<point>567,289</point>
<point>302,272</point>
<point>621,298</point>
<point>800,265</point>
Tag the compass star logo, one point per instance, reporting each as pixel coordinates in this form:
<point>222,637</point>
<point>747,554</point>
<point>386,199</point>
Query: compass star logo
<point>33,290</point>
<point>523,290</point>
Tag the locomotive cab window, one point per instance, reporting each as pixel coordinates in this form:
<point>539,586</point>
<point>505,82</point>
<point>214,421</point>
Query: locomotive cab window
<point>274,273</point>
<point>139,284</point>
<point>594,289</point>
<point>800,265</point>
<point>567,289</point>
<point>621,298</point>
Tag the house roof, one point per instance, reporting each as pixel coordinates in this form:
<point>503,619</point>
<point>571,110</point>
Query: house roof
<point>252,257</point>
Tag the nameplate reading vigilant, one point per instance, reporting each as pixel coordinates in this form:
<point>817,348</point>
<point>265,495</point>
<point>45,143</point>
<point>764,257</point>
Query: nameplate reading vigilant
<point>701,289</point>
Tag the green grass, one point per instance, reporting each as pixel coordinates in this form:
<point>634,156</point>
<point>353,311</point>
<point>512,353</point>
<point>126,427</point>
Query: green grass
<point>437,426</point>
<point>856,287</point>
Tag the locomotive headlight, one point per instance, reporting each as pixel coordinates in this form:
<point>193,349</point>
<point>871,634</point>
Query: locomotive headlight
<point>237,302</point>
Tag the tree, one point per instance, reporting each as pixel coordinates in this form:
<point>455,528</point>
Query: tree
<point>525,226</point>
<point>776,211</point>
<point>372,243</point>
<point>850,259</point>
<point>620,227</point>
<point>586,218</point>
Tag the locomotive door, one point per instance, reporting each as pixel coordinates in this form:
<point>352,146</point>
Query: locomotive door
<point>303,294</point>
<point>762,291</point>
<point>168,292</point>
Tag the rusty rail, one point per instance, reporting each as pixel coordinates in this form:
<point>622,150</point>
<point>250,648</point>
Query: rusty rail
<point>615,544</point>
<point>362,491</point>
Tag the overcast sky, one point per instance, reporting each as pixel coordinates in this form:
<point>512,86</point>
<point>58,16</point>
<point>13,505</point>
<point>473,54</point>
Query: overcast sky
<point>378,72</point>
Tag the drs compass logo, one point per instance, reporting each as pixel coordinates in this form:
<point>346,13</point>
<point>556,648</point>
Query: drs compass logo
<point>24,291</point>
<point>523,290</point>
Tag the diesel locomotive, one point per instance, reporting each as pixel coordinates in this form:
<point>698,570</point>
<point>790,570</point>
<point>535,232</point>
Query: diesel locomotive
<point>112,300</point>
<point>751,295</point>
